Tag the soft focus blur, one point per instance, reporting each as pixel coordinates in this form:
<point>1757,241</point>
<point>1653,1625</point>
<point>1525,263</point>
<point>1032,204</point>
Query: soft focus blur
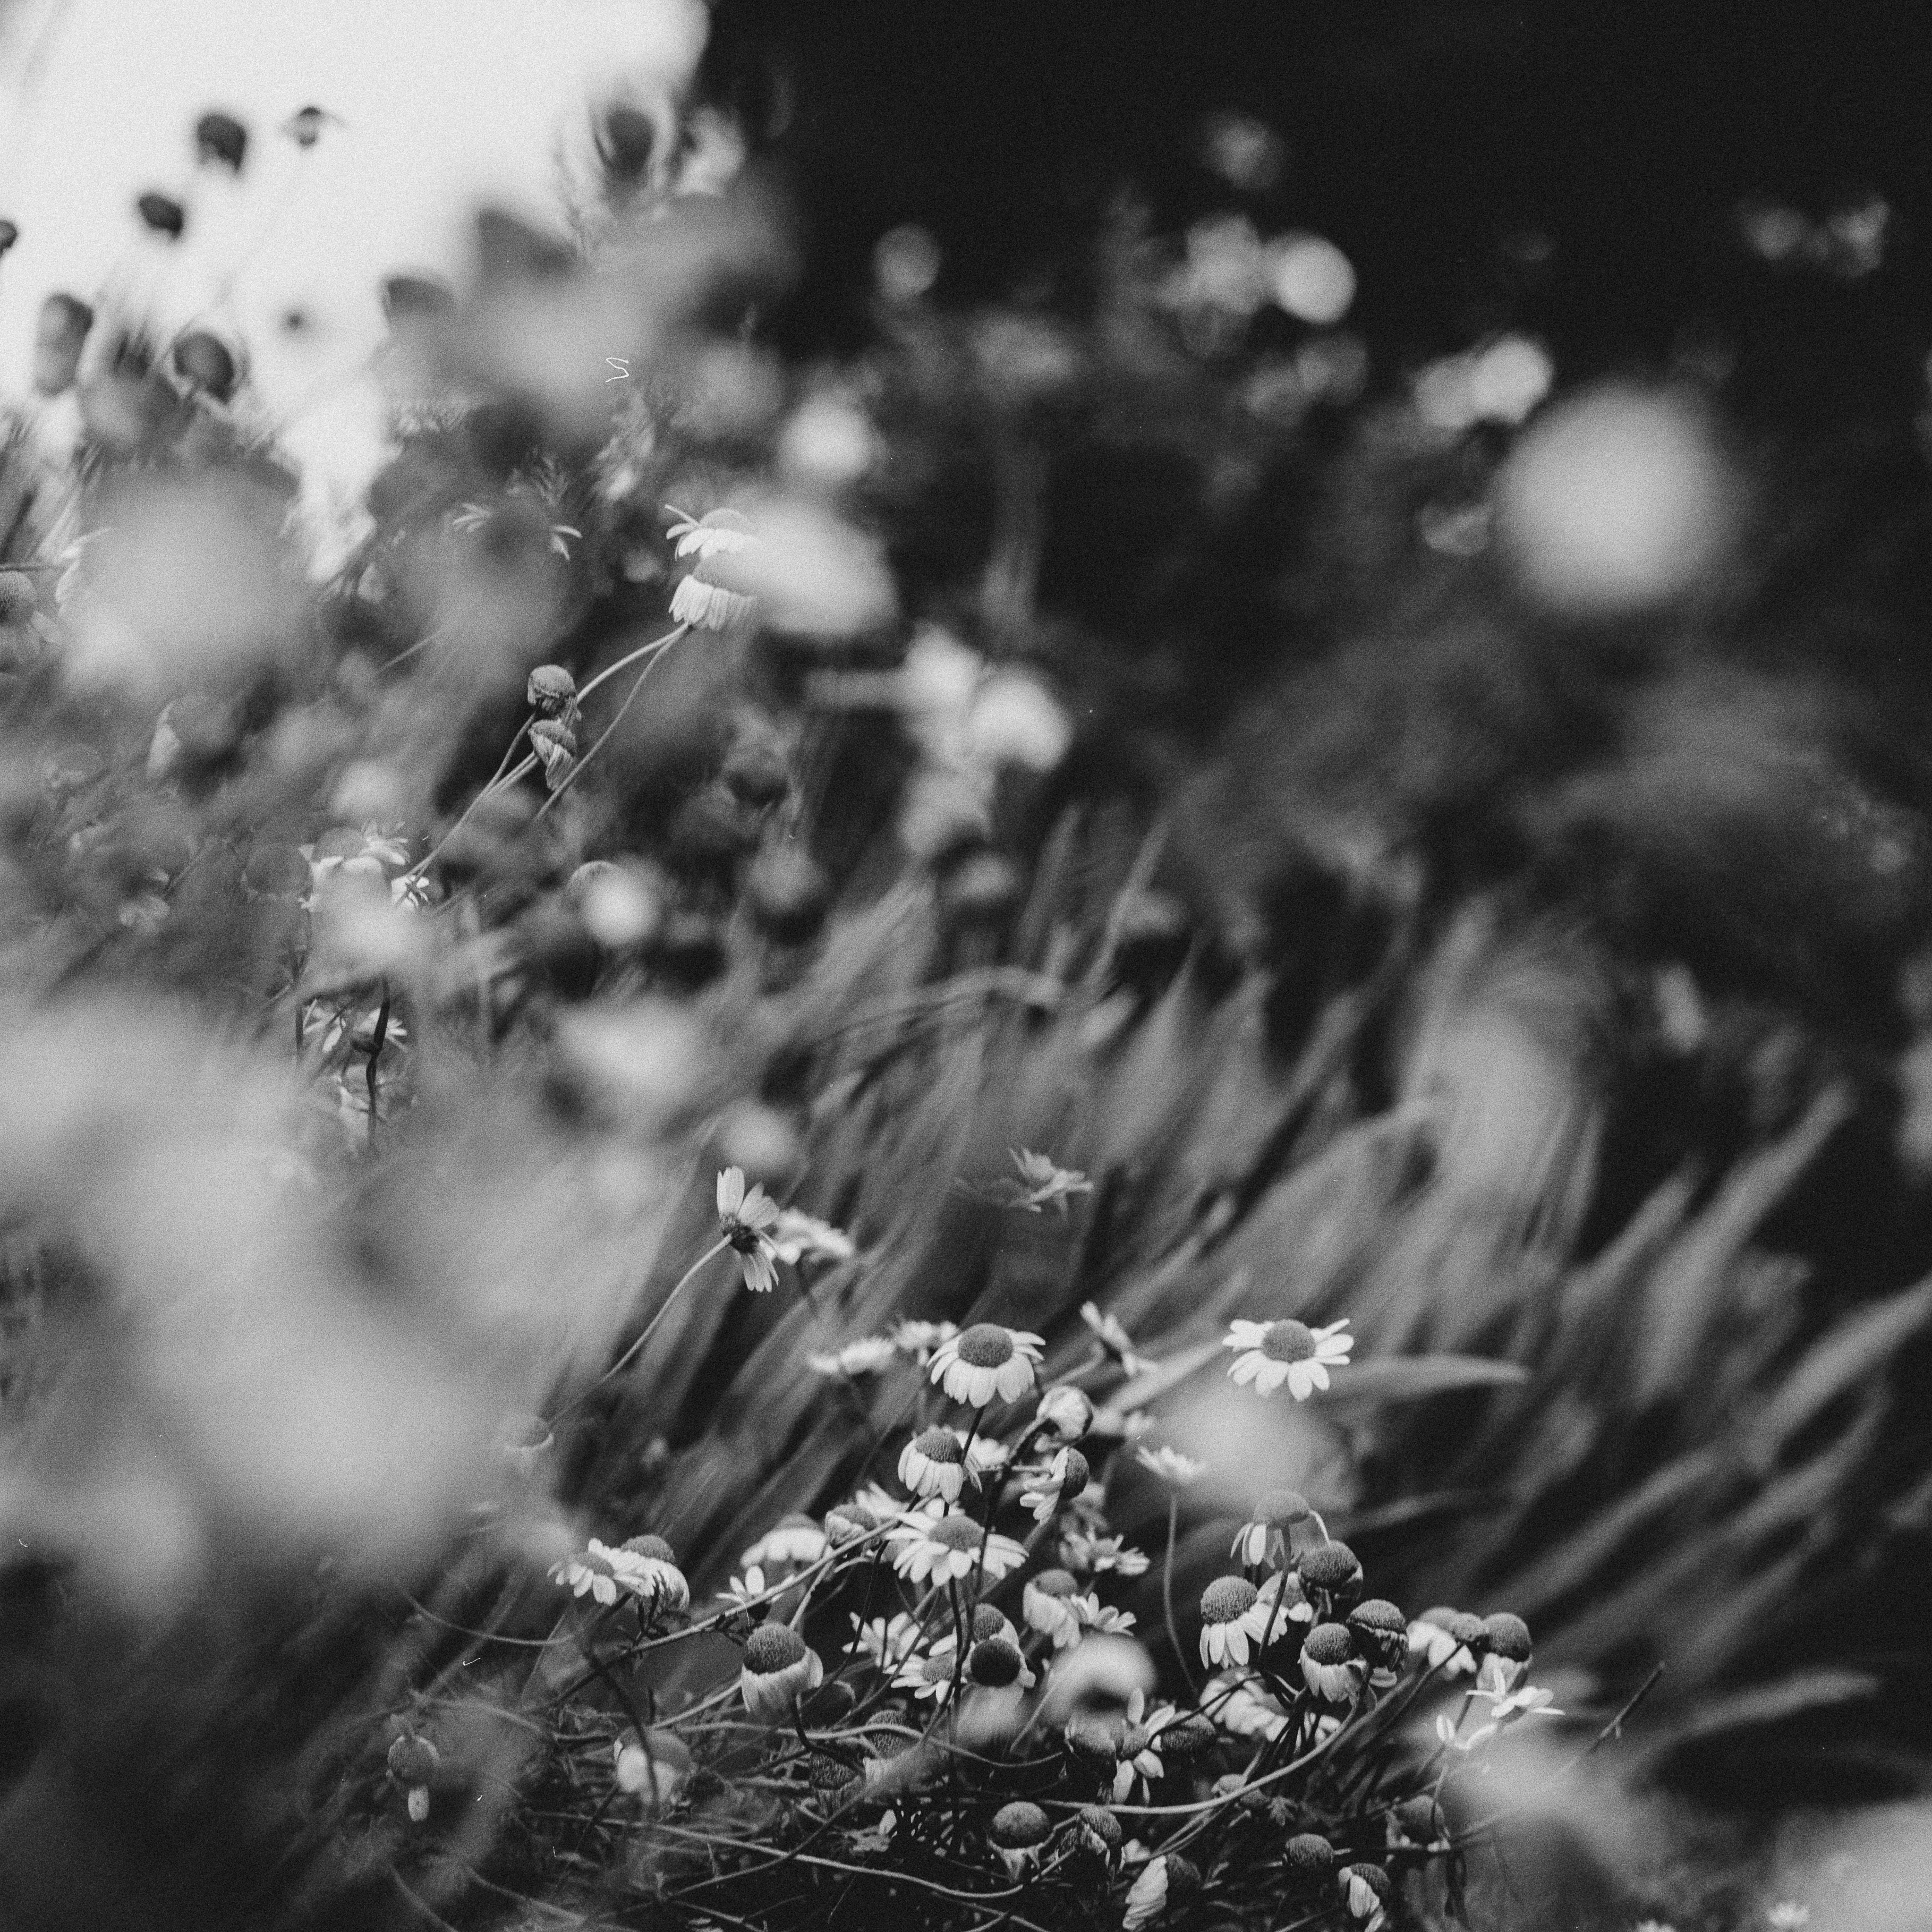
<point>692,694</point>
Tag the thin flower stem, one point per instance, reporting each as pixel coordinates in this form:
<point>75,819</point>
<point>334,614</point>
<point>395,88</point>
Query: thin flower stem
<point>499,783</point>
<point>659,650</point>
<point>629,1355</point>
<point>610,671</point>
<point>1167,1593</point>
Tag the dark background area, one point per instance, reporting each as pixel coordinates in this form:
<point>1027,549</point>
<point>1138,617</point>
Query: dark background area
<point>1432,141</point>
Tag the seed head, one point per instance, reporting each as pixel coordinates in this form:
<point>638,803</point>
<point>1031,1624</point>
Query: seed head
<point>1508,1635</point>
<point>1309,1852</point>
<point>1328,1643</point>
<point>1020,1825</point>
<point>1331,1566</point>
<point>1227,1598</point>
<point>772,1647</point>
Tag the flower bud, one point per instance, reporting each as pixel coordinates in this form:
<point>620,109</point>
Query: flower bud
<point>58,336</point>
<point>1310,1853</point>
<point>204,362</point>
<point>1019,1825</point>
<point>551,691</point>
<point>221,138</point>
<point>1066,1411</point>
<point>164,215</point>
<point>1331,1566</point>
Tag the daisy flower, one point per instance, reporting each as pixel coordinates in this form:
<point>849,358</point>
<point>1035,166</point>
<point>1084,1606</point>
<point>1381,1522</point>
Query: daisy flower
<point>985,1361</point>
<point>592,1574</point>
<point>1266,1537</point>
<point>1062,1479</point>
<point>792,1539</point>
<point>1434,1637</point>
<point>746,1592</point>
<point>646,1567</point>
<point>933,1464</point>
<point>886,1641</point>
<point>1138,1747</point>
<point>1065,1412</point>
<point>920,1338</point>
<point>866,1356</point>
<point>1104,1620</point>
<point>1241,1704</point>
<point>779,1670</point>
<point>1081,1550</point>
<point>745,1216</point>
<point>1230,1627</point>
<point>1052,1604</point>
<point>1364,1888</point>
<point>1329,1665</point>
<point>1114,1339</point>
<point>1170,1465</point>
<point>929,1676</point>
<point>797,1237</point>
<point>718,533</point>
<point>948,1549</point>
<point>1046,1184</point>
<point>1506,1655</point>
<point>1019,1832</point>
<point>1269,1353</point>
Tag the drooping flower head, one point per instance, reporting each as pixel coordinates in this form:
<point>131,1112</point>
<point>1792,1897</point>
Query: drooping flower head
<point>1065,1412</point>
<point>1062,1479</point>
<point>745,1216</point>
<point>1264,1537</point>
<point>1052,1604</point>
<point>1329,1664</point>
<point>779,1669</point>
<point>933,1464</point>
<point>1228,1625</point>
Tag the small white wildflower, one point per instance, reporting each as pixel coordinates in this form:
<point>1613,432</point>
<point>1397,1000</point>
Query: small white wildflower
<point>1271,1353</point>
<point>1170,1465</point>
<point>985,1362</point>
<point>1115,1340</point>
<point>745,1216</point>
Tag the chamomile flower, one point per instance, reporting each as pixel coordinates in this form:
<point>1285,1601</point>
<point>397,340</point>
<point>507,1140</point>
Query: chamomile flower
<point>950,1548</point>
<point>1115,1340</point>
<point>1062,1479</point>
<point>1269,1353</point>
<point>1170,1465</point>
<point>1330,1667</point>
<point>933,1464</point>
<point>797,1237</point>
<point>1137,1749</point>
<point>986,1361</point>
<point>794,1539</point>
<point>866,1356</point>
<point>1506,1657</point>
<point>1046,1184</point>
<point>1531,1701</point>
<point>1053,1604</point>
<point>593,1574</point>
<point>1019,1832</point>
<point>1266,1537</point>
<point>887,1641</point>
<point>1229,1628</point>
<point>1241,1704</point>
<point>931,1674</point>
<point>646,1567</point>
<point>718,533</point>
<point>1434,1637</point>
<point>746,1592</point>
<point>779,1669</point>
<point>1105,1620</point>
<point>745,1217</point>
<point>1065,1412</point>
<point>920,1338</point>
<point>1365,1891</point>
<point>1084,1551</point>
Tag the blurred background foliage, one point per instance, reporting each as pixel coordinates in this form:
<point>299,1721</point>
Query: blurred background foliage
<point>1340,647</point>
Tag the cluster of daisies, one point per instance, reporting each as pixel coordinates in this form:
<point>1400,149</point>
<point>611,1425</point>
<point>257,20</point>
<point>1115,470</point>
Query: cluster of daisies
<point>931,1676</point>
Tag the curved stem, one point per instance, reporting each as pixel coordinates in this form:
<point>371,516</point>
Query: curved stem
<point>630,1354</point>
<point>662,645</point>
<point>1167,1593</point>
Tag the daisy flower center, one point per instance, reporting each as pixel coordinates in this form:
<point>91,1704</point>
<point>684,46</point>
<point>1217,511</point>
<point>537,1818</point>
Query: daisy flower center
<point>772,1647</point>
<point>654,1546</point>
<point>940,1445</point>
<point>1056,1583</point>
<point>1288,1342</point>
<point>986,1345</point>
<point>1227,1598</point>
<point>1328,1643</point>
<point>1279,1508</point>
<point>744,1240</point>
<point>956,1532</point>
